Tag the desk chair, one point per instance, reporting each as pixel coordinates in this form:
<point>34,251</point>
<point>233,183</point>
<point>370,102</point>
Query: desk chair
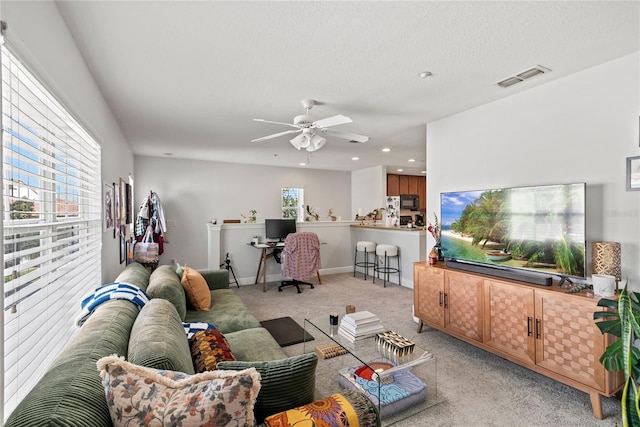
<point>300,259</point>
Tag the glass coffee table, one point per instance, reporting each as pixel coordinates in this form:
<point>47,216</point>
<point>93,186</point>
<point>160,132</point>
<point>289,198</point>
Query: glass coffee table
<point>398,376</point>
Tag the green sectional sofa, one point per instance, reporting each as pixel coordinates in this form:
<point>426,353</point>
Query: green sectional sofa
<point>71,392</point>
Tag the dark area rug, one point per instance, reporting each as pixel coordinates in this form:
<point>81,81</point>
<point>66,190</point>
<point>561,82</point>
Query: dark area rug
<point>286,331</point>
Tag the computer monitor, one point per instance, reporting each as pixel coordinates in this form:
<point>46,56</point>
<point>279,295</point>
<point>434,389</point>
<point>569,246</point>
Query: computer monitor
<point>278,229</point>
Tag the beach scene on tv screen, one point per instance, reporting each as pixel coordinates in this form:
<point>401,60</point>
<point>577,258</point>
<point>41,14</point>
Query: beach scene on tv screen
<point>533,228</point>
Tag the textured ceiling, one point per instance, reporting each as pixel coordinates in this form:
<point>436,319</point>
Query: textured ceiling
<point>187,78</point>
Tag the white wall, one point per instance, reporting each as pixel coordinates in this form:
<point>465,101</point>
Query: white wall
<point>369,190</point>
<point>580,128</point>
<point>42,39</point>
<point>194,192</point>
<point>336,251</point>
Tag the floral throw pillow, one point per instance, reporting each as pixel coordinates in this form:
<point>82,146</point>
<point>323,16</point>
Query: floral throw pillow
<point>142,396</point>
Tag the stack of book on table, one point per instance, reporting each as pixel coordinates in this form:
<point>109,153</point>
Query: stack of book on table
<point>359,325</point>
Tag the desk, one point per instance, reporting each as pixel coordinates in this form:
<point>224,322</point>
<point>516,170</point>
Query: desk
<point>264,256</point>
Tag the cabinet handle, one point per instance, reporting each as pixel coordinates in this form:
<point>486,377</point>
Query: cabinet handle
<point>537,329</point>
<point>440,300</point>
<point>446,300</point>
<point>529,326</point>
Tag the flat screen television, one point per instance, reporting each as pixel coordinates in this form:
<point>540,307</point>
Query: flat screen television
<point>538,229</point>
<point>278,229</point>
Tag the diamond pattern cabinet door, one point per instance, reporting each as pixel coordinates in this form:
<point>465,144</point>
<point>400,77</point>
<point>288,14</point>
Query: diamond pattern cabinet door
<point>428,294</point>
<point>509,320</point>
<point>569,341</point>
<point>463,312</point>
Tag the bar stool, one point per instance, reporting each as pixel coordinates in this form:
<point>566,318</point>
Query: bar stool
<point>383,253</point>
<point>368,248</point>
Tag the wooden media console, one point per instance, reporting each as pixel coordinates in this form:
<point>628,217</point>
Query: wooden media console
<point>542,328</point>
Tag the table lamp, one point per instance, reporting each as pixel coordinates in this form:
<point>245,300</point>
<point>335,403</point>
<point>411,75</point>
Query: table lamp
<point>606,259</point>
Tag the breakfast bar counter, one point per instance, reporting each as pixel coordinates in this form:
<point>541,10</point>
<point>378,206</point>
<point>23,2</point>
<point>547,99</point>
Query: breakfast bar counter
<point>388,227</point>
<point>411,243</point>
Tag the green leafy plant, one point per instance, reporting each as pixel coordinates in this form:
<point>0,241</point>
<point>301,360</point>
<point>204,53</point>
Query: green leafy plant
<point>623,321</point>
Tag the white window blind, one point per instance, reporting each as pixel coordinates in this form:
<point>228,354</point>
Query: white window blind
<point>51,174</point>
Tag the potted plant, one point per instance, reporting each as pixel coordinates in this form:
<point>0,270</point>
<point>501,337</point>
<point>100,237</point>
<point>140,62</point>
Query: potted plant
<point>312,214</point>
<point>623,321</point>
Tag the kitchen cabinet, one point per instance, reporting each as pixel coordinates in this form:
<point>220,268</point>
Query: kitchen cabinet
<point>541,328</point>
<point>393,185</point>
<point>403,184</point>
<point>422,192</point>
<point>407,184</point>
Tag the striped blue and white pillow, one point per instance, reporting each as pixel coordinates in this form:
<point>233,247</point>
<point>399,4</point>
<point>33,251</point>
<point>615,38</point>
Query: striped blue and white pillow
<point>193,327</point>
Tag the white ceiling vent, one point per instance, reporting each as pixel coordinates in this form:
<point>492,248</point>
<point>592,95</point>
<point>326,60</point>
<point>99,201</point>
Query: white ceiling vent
<point>522,76</point>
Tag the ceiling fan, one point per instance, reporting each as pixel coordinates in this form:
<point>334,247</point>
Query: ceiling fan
<point>311,129</point>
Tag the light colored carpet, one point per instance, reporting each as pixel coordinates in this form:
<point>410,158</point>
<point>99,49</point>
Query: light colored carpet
<point>474,387</point>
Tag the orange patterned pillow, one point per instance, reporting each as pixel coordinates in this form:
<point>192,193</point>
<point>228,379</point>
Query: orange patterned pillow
<point>209,347</point>
<point>196,289</point>
<point>335,410</point>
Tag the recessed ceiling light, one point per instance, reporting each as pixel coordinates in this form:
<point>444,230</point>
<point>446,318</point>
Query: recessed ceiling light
<point>425,74</point>
<point>303,164</point>
<point>400,170</point>
<point>386,150</point>
<point>412,160</point>
<point>355,158</point>
<point>423,172</point>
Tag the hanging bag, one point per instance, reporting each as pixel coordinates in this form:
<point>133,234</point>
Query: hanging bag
<point>146,251</point>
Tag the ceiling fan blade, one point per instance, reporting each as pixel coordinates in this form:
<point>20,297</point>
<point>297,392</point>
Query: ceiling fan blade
<point>275,135</point>
<point>348,135</point>
<point>277,123</point>
<point>332,121</point>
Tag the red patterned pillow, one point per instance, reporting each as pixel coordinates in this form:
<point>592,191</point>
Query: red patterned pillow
<point>209,347</point>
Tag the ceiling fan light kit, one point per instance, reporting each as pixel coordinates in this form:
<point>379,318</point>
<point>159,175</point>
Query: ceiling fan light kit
<point>309,128</point>
<point>308,141</point>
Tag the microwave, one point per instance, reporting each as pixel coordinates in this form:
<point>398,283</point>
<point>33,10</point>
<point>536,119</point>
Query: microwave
<point>410,201</point>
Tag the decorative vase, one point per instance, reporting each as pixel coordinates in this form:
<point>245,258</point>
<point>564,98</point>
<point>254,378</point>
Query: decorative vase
<point>433,256</point>
<point>438,249</point>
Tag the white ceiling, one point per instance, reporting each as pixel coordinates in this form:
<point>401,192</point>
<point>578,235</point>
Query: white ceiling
<point>188,77</point>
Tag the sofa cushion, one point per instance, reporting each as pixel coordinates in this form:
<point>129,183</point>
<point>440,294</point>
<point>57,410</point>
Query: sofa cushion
<point>254,344</point>
<point>158,339</point>
<point>228,312</point>
<point>135,274</point>
<point>136,393</point>
<point>196,290</point>
<point>164,283</point>
<point>71,393</point>
<point>209,347</point>
<point>285,383</point>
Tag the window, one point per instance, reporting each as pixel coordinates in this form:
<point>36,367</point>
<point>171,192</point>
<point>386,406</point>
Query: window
<point>293,203</point>
<point>51,226</point>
